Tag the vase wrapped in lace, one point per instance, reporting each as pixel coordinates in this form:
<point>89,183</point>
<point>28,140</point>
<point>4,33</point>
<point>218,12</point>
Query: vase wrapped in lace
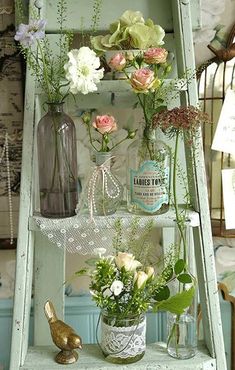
<point>104,193</point>
<point>123,341</point>
<point>57,163</point>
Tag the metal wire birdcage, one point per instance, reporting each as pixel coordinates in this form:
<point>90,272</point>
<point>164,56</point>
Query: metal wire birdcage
<point>214,78</point>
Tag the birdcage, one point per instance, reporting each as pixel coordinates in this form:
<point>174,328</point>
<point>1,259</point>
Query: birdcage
<point>214,78</point>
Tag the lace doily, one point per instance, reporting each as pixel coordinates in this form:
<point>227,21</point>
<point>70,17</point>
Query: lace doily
<point>123,342</point>
<point>79,234</point>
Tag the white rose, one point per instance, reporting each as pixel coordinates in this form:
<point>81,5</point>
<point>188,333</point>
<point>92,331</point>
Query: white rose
<point>117,287</point>
<point>140,279</point>
<point>127,260</point>
<point>150,271</point>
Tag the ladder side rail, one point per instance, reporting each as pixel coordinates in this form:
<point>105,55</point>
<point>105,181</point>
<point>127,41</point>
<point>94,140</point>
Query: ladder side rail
<point>202,235</point>
<point>25,242</point>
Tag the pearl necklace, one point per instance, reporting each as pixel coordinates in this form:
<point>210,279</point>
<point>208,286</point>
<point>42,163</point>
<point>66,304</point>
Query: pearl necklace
<point>5,150</point>
<point>106,175</point>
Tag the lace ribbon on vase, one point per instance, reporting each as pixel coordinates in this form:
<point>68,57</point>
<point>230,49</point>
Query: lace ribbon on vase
<point>123,342</point>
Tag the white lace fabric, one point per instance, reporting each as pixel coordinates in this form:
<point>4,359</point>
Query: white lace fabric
<point>123,342</point>
<point>80,234</point>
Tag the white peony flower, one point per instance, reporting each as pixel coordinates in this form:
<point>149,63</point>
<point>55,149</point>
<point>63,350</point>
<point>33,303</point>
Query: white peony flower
<point>117,287</point>
<point>82,70</point>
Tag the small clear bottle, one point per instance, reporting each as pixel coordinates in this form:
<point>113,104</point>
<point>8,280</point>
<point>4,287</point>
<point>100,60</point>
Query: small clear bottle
<point>104,192</point>
<point>148,175</point>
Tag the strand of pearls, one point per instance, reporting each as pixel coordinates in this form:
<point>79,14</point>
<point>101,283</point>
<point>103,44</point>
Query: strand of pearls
<point>5,150</point>
<point>106,176</point>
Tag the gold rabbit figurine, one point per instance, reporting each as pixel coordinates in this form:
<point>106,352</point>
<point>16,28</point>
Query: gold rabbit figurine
<point>63,336</point>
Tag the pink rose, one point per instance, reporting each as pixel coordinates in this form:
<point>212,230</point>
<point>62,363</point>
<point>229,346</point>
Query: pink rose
<point>105,124</point>
<point>155,56</point>
<point>117,62</point>
<point>142,79</point>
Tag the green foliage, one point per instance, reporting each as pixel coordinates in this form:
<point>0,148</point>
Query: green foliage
<point>97,5</point>
<point>179,266</point>
<point>162,294</point>
<point>178,303</point>
<point>185,278</point>
<point>46,67</point>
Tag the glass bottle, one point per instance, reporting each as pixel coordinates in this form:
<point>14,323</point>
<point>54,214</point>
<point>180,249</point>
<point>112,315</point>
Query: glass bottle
<point>105,192</point>
<point>182,338</point>
<point>148,175</point>
<point>182,329</point>
<point>57,163</point>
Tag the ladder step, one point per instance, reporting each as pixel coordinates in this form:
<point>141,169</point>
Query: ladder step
<point>165,220</point>
<point>91,358</point>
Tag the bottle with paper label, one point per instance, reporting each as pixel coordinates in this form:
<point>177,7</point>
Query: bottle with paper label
<point>148,175</point>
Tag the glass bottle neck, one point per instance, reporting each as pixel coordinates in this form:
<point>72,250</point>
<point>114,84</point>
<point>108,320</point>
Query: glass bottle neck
<point>102,157</point>
<point>55,107</point>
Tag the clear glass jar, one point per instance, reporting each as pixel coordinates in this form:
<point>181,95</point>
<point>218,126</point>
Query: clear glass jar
<point>57,163</point>
<point>182,336</point>
<point>148,175</point>
<point>104,192</point>
<point>123,341</point>
<point>182,329</point>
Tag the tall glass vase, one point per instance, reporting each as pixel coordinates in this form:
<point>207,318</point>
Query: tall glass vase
<point>57,163</point>
<point>148,175</point>
<point>182,329</point>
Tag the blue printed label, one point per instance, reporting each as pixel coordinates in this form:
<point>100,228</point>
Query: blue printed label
<point>149,186</point>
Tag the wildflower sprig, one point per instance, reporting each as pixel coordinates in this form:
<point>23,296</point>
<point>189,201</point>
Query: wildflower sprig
<point>63,72</point>
<point>184,122</point>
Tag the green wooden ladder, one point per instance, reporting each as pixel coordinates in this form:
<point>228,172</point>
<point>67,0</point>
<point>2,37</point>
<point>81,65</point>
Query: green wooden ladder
<point>40,261</point>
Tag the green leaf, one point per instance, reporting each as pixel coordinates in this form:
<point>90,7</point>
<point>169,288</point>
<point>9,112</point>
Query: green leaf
<point>179,266</point>
<point>81,272</point>
<point>162,294</point>
<point>91,261</point>
<point>185,278</point>
<point>178,303</point>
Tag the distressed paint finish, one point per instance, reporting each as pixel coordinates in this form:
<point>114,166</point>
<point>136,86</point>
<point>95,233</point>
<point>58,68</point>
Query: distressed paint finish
<point>24,269</point>
<point>158,10</point>
<point>48,284</point>
<point>91,358</point>
<point>198,190</point>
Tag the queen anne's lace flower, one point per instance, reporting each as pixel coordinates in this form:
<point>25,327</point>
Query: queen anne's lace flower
<point>27,34</point>
<point>82,70</point>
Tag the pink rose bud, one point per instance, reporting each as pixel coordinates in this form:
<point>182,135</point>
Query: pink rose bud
<point>105,124</point>
<point>142,79</point>
<point>117,62</point>
<point>155,56</point>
